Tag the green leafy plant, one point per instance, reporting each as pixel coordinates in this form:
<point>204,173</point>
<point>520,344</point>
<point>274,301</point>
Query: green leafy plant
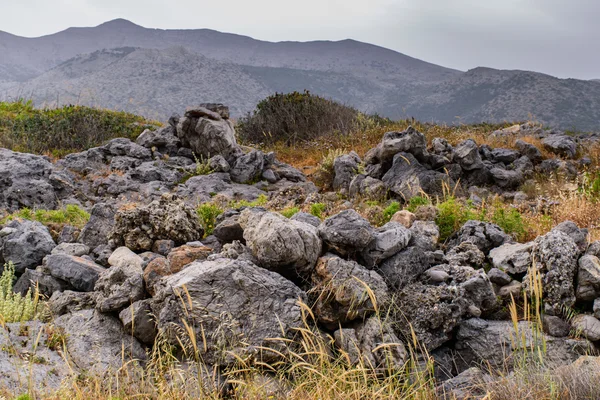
<point>511,221</point>
<point>317,209</point>
<point>290,212</point>
<point>416,202</point>
<point>202,166</point>
<point>13,306</point>
<point>70,215</point>
<point>208,213</point>
<point>452,215</point>
<point>390,210</point>
<point>259,202</point>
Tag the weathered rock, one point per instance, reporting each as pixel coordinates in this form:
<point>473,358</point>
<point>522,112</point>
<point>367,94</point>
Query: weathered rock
<point>71,249</point>
<point>466,253</point>
<point>404,267</point>
<point>511,291</point>
<point>404,217</point>
<point>163,140</point>
<point>392,143</point>
<point>307,219</point>
<point>372,343</point>
<point>97,343</point>
<point>253,306</point>
<point>185,255</point>
<point>561,144</point>
<point>69,302</point>
<point>499,277</point>
<point>342,288</point>
<point>280,244</point>
<point>95,233</point>
<point>25,243</point>
<point>163,247</point>
<point>466,154</point>
<point>167,218</point>
<point>345,167</point>
<point>247,167</point>
<point>484,235</point>
<point>80,273</point>
<point>367,187</point>
<point>529,150</point>
<point>388,240</point>
<point>347,232</point>
<point>408,178</point>
<point>202,188</point>
<point>588,278</point>
<point>513,258</point>
<point>228,229</point>
<point>507,178</point>
<point>155,270</point>
<point>587,326</point>
<point>122,284</point>
<point>32,279</point>
<point>138,321</point>
<point>218,163</point>
<point>579,236</point>
<point>425,234</point>
<point>554,326</point>
<point>466,385</point>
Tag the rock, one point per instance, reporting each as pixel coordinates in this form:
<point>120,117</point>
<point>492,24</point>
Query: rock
<point>484,235</point>
<point>307,219</point>
<point>71,249</point>
<point>463,386</point>
<point>594,249</point>
<point>466,253</point>
<point>588,278</point>
<point>561,145</point>
<point>506,156</point>
<point>499,277</point>
<point>202,188</point>
<point>404,267</point>
<point>373,344</point>
<point>208,135</point>
<point>345,167</point>
<point>367,187</point>
<point>254,306</point>
<point>347,232</point>
<point>425,234</point>
<point>554,326</point>
<point>340,288</point>
<point>493,343</point>
<point>506,178</point>
<point>164,140</point>
<point>408,141</point>
<point>96,231</point>
<point>408,178</point>
<point>80,273</point>
<point>163,247</point>
<point>97,343</point>
<point>62,303</point>
<point>556,258</point>
<point>156,269</point>
<point>587,326</point>
<point>579,236</point>
<point>185,255</point>
<point>228,228</point>
<point>596,308</point>
<point>281,244</point>
<point>32,279</point>
<point>466,154</point>
<point>404,217</point>
<point>388,240</point>
<point>122,284</point>
<point>101,254</point>
<point>168,218</point>
<point>512,258</point>
<point>138,321</point>
<point>68,234</point>
<point>529,150</point>
<point>24,243</point>
<point>436,276</point>
<point>247,167</point>
<point>513,290</point>
<point>218,163</point>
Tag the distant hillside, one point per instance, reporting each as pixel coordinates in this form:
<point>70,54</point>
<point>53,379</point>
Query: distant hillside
<point>153,72</point>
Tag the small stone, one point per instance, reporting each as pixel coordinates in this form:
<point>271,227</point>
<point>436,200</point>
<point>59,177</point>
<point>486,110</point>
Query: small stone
<point>513,289</point>
<point>181,256</point>
<point>404,217</point>
<point>554,326</point>
<point>499,277</point>
<point>163,246</point>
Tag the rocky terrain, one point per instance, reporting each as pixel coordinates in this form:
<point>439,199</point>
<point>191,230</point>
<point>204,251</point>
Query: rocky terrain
<point>112,64</point>
<point>145,271</point>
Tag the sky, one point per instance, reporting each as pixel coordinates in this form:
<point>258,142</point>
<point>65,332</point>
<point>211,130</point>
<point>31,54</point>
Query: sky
<point>557,37</point>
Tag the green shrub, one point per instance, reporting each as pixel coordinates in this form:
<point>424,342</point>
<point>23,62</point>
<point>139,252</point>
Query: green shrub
<point>290,212</point>
<point>63,130</point>
<point>13,306</point>
<point>511,221</point>
<point>590,185</point>
<point>202,166</point>
<point>317,209</point>
<point>259,202</point>
<point>296,116</point>
<point>70,215</point>
<point>390,210</point>
<point>452,215</point>
<point>416,202</point>
<point>208,213</point>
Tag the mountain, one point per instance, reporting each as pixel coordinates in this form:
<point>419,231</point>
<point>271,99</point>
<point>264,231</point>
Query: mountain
<point>125,66</point>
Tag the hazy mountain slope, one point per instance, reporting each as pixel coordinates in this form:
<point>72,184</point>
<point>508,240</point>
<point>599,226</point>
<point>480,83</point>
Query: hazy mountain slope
<point>150,82</point>
<point>348,56</point>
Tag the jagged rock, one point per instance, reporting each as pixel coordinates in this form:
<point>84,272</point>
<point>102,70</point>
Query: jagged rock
<point>554,326</point>
<point>392,143</point>
<point>72,249</point>
<point>286,171</point>
<point>408,178</point>
<point>24,243</point>
<point>307,219</point>
<point>122,283</point>
<point>347,232</point>
<point>506,156</point>
<point>464,386</point>
<point>125,147</point>
<point>228,227</point>
<point>466,154</point>
<point>138,321</point>
<point>101,254</point>
<point>97,343</point>
<point>80,273</point>
<point>185,255</point>
<point>561,144</point>
<point>506,178</point>
<point>404,267</point>
<point>163,247</point>
<point>484,235</point>
<point>68,234</point>
<point>499,277</point>
<point>594,249</point>
<point>511,291</point>
<point>202,188</point>
<point>208,134</point>
<point>254,305</point>
<point>247,167</point>
<point>441,146</point>
<point>164,140</point>
<point>32,279</point>
<point>596,308</point>
<point>155,270</point>
<point>579,236</point>
<point>513,258</point>
<point>341,295</point>
<point>404,217</point>
<point>529,150</point>
<point>556,258</point>
<point>388,240</point>
<point>586,326</point>
<point>62,303</point>
<point>218,163</point>
<point>96,231</point>
<point>588,278</point>
<point>281,244</point>
<point>425,234</point>
<point>345,167</point>
<point>493,343</point>
<point>466,253</point>
<point>166,218</point>
<point>368,187</point>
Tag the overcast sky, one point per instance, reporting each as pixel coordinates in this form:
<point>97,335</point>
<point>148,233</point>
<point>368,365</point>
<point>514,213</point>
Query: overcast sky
<point>558,37</point>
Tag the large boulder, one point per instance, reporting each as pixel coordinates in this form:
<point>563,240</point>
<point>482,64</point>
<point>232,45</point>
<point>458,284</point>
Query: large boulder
<point>345,291</point>
<point>408,178</point>
<point>79,273</point>
<point>484,235</point>
<point>234,306</point>
<point>347,232</point>
<point>513,258</point>
<point>280,244</point>
<point>208,133</point>
<point>167,218</point>
<point>345,167</point>
<point>466,154</point>
<point>561,145</point>
<point>25,243</point>
<point>389,240</point>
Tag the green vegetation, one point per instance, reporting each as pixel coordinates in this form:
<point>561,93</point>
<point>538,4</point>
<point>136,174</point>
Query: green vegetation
<point>390,210</point>
<point>590,186</point>
<point>63,130</point>
<point>511,221</point>
<point>70,215</point>
<point>416,202</point>
<point>290,212</point>
<point>317,209</point>
<point>208,213</point>
<point>259,202</point>
<point>13,306</point>
<point>452,215</point>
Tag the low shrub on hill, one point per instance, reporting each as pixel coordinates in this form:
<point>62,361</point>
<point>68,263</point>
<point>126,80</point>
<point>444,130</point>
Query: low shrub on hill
<point>13,306</point>
<point>59,131</point>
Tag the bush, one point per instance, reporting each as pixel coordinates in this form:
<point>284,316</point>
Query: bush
<point>13,306</point>
<point>208,213</point>
<point>60,131</point>
<point>294,117</point>
<point>290,212</point>
<point>390,210</point>
<point>452,215</point>
<point>511,222</point>
<point>317,209</point>
<point>416,202</point>
<point>70,215</point>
